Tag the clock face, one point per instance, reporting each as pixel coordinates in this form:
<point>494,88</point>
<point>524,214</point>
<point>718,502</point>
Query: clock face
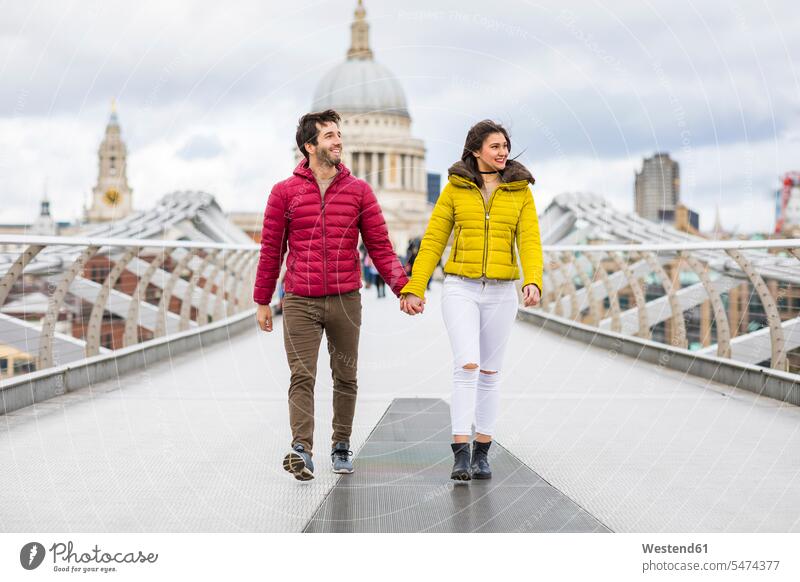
<point>111,197</point>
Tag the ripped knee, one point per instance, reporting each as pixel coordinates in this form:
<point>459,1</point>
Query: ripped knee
<point>488,380</point>
<point>466,375</point>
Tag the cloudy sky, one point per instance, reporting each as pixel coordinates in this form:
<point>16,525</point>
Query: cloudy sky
<point>209,93</point>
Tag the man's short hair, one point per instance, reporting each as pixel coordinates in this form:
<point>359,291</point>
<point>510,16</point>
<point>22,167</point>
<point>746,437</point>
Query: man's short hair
<point>307,131</point>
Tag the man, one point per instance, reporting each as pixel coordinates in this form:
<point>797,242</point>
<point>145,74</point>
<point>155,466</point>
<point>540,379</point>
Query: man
<point>318,213</point>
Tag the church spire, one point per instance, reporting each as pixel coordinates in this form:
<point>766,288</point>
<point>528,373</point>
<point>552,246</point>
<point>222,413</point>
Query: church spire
<point>44,208</point>
<point>111,196</point>
<point>44,225</point>
<point>112,120</point>
<point>719,232</point>
<point>359,36</point>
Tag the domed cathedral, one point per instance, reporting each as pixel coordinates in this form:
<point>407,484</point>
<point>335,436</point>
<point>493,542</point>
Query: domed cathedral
<point>376,129</point>
<point>111,197</point>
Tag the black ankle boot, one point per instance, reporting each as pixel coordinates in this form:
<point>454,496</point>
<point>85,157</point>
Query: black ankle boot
<point>461,465</point>
<point>480,460</point>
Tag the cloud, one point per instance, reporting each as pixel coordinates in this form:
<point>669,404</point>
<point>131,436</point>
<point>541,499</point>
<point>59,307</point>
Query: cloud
<point>209,94</point>
<point>201,147</point>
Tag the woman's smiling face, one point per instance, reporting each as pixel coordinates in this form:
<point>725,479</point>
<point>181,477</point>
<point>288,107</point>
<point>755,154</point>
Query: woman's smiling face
<point>493,153</point>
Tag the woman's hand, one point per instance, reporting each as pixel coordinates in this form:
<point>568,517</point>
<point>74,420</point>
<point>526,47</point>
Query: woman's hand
<point>530,295</point>
<point>411,304</point>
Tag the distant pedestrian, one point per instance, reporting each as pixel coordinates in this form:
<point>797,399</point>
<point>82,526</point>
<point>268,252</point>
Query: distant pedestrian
<point>380,284</point>
<point>364,266</point>
<point>369,271</point>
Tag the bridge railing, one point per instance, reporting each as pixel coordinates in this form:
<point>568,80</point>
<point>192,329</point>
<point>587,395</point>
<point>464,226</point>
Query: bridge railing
<point>67,298</point>
<point>63,299</point>
<point>733,299</point>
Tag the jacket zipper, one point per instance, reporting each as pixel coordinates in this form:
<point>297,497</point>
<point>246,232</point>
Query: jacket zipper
<point>455,250</point>
<point>485,227</point>
<point>324,247</point>
<point>324,244</point>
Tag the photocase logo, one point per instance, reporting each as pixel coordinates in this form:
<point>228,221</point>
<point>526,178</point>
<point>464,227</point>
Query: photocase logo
<point>31,555</point>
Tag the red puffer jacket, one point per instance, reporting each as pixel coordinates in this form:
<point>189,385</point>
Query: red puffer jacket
<point>323,237</point>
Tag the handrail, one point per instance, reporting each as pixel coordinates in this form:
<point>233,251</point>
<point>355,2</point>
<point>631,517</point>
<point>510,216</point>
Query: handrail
<point>634,247</point>
<point>121,242</point>
<point>698,246</point>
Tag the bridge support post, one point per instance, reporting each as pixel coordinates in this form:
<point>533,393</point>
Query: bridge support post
<point>776,338</point>
<point>720,317</point>
<point>56,301</point>
<point>131,336</point>
<point>678,324</point>
<point>613,298</point>
<point>99,307</point>
<point>166,296</point>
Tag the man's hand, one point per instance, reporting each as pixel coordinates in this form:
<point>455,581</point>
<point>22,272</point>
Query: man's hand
<point>530,295</point>
<point>264,317</point>
<point>411,304</point>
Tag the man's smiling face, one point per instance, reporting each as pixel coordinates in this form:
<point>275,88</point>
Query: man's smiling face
<point>328,149</point>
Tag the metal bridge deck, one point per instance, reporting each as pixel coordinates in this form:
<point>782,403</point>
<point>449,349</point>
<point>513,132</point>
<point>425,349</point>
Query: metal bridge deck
<point>195,443</point>
<point>401,484</point>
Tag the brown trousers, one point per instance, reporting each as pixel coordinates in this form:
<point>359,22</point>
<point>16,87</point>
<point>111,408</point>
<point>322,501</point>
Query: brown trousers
<point>304,319</point>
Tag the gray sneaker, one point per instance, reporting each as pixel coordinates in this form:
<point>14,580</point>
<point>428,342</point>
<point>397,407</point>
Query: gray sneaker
<point>298,463</point>
<point>340,457</point>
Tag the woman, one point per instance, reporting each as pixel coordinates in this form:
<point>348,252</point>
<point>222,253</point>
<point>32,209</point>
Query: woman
<point>489,203</point>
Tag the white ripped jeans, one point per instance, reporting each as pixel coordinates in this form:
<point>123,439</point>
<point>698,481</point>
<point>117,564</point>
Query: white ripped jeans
<point>478,316</point>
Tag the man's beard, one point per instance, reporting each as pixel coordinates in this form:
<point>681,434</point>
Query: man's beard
<point>325,157</point>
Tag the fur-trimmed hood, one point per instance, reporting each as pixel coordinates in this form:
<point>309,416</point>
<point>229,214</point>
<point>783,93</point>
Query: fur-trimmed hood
<point>513,172</point>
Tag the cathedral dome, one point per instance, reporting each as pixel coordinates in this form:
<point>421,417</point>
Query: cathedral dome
<point>360,85</point>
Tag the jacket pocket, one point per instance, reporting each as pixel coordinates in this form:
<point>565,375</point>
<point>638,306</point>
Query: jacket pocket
<point>513,253</point>
<point>455,243</point>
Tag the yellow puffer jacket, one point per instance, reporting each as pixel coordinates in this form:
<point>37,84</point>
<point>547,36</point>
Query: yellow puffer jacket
<point>485,233</point>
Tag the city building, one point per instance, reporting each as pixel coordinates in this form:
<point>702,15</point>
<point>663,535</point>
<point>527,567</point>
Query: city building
<point>111,196</point>
<point>43,225</point>
<point>682,218</point>
<point>434,187</point>
<point>250,222</point>
<point>657,187</point>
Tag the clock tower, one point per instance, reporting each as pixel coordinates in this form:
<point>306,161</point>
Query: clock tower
<point>111,197</point>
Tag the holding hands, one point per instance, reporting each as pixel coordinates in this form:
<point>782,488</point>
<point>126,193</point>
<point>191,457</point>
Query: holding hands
<point>411,304</point>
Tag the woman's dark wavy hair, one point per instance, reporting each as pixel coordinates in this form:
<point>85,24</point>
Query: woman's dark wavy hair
<point>474,142</point>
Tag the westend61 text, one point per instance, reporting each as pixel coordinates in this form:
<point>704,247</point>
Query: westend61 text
<point>64,551</point>
<point>670,549</point>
